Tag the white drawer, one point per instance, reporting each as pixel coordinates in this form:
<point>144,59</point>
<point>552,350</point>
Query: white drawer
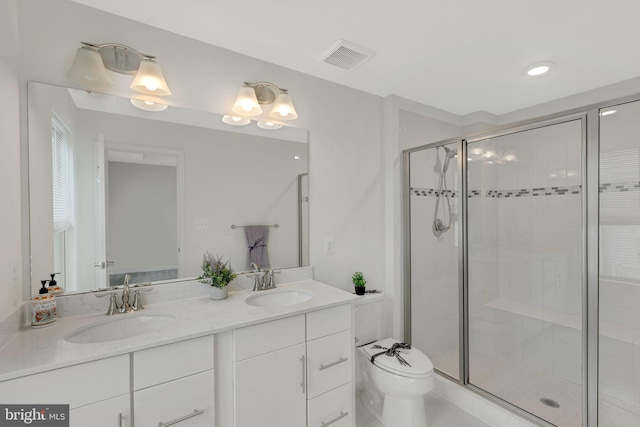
<point>190,399</point>
<point>77,385</point>
<point>328,321</point>
<point>334,408</point>
<point>259,339</point>
<point>108,413</point>
<point>169,362</point>
<point>329,363</point>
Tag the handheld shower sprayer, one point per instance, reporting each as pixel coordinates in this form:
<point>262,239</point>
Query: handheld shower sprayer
<point>439,226</point>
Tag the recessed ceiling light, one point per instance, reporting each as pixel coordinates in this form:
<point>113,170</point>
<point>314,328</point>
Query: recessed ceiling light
<point>608,112</point>
<point>540,68</point>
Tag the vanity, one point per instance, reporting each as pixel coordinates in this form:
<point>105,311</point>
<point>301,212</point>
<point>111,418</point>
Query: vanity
<point>235,362</point>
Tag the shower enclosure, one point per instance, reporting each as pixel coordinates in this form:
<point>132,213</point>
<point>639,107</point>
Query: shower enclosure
<point>522,251</point>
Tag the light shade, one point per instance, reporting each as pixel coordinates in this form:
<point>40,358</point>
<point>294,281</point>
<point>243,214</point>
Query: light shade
<point>269,125</point>
<point>246,103</point>
<point>148,105</point>
<point>150,79</point>
<point>87,67</point>
<point>283,108</point>
<point>235,120</point>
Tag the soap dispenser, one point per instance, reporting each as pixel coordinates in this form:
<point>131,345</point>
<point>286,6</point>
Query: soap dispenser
<point>53,285</point>
<point>43,307</point>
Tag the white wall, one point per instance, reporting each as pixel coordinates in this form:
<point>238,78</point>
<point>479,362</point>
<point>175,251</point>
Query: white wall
<point>344,124</point>
<point>10,214</point>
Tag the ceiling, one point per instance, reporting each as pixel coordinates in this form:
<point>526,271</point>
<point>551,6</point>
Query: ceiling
<point>461,56</point>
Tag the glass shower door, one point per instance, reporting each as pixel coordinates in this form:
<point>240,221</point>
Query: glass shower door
<point>619,275</point>
<point>435,241</point>
<point>525,269</point>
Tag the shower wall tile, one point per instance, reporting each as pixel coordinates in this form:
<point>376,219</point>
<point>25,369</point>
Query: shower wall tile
<point>616,378</point>
<point>538,352</point>
<point>567,362</point>
<point>616,348</point>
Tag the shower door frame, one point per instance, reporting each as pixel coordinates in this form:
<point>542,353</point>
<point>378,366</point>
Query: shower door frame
<point>590,162</point>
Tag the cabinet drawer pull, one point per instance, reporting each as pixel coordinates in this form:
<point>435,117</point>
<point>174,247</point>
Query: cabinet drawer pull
<point>337,362</point>
<point>338,418</point>
<point>303,384</point>
<point>195,412</point>
<point>120,419</point>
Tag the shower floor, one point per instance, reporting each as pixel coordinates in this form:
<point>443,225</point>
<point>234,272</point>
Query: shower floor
<point>524,386</point>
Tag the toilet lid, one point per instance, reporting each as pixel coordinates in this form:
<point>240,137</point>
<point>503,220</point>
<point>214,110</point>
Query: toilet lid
<point>420,364</point>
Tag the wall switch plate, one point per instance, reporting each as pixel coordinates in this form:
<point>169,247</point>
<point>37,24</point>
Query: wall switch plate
<point>328,245</point>
<point>202,224</point>
<point>15,273</point>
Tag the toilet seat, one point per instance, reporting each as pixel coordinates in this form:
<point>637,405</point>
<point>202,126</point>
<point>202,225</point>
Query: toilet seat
<point>420,367</point>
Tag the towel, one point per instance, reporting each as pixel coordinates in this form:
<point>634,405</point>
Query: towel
<point>257,239</point>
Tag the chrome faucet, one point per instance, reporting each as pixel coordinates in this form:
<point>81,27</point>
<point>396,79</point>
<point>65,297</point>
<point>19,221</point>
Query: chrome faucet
<point>125,307</point>
<point>264,279</point>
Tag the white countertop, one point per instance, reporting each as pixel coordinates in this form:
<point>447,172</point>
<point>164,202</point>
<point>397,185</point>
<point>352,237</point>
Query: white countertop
<point>33,351</point>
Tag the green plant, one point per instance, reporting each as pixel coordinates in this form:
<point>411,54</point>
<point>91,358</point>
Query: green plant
<point>215,271</point>
<point>358,279</point>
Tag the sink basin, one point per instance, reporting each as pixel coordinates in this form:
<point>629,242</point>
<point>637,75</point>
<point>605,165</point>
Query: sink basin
<point>278,298</point>
<point>121,327</point>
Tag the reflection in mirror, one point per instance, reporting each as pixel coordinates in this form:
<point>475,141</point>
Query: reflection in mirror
<point>116,190</point>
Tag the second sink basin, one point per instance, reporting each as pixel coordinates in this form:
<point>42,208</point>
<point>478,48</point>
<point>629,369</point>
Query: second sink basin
<point>278,298</point>
<point>121,327</point>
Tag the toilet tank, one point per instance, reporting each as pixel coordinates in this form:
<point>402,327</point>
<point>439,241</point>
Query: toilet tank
<point>368,319</point>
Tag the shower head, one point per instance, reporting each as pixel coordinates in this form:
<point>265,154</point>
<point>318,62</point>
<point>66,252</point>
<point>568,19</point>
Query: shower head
<point>450,152</point>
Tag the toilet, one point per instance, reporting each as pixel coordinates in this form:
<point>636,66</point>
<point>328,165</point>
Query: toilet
<point>392,391</point>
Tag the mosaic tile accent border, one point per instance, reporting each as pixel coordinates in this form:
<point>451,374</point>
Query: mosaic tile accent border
<point>533,192</point>
<point>415,191</point>
<point>620,187</point>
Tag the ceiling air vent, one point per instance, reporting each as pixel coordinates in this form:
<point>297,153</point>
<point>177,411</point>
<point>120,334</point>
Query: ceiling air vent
<point>347,55</point>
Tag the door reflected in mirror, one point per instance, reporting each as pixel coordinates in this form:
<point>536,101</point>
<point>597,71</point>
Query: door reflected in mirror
<point>115,190</point>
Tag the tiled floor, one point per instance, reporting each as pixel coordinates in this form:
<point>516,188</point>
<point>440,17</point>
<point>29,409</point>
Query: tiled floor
<point>440,413</point>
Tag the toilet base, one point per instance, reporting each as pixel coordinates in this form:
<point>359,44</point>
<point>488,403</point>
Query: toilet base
<point>392,412</point>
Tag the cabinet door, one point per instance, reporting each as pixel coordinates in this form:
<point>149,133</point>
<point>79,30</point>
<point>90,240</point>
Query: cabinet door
<point>187,402</point>
<point>271,389</point>
<point>108,413</point>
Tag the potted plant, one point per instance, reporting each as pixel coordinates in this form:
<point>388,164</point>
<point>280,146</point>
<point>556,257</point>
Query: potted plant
<point>217,274</point>
<point>359,282</point>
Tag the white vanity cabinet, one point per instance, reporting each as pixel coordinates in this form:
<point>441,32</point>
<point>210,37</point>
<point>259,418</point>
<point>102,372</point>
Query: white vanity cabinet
<point>270,376</point>
<point>97,392</point>
<point>296,371</point>
<point>330,368</point>
<point>174,384</point>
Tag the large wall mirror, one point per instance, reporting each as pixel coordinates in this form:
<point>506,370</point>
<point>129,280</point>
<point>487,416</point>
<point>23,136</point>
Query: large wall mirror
<point>117,190</point>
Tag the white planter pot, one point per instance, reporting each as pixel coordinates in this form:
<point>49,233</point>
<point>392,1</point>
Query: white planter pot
<point>218,293</point>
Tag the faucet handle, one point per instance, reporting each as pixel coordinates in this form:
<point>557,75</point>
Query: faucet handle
<point>137,301</point>
<point>113,303</point>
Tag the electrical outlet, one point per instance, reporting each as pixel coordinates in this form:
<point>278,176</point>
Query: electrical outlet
<point>328,245</point>
<point>15,273</point>
<point>202,224</point>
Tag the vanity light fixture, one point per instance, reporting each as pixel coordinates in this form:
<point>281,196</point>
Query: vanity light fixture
<point>252,96</point>
<point>540,68</point>
<point>148,105</point>
<point>93,60</point>
<point>235,120</point>
<point>269,125</point>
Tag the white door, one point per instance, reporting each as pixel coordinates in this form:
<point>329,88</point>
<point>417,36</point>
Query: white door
<point>102,262</point>
<point>271,389</point>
